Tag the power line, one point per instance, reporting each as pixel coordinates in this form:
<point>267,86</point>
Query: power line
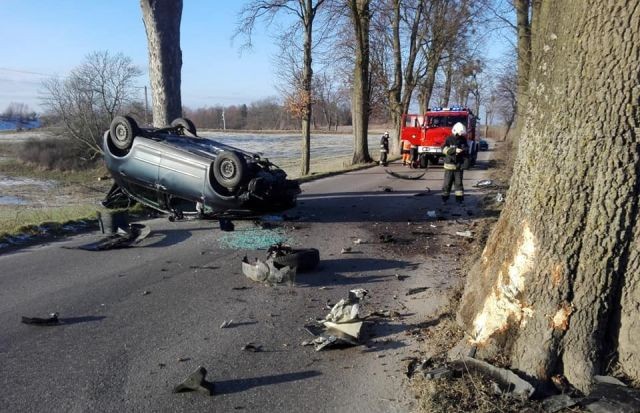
<point>27,72</point>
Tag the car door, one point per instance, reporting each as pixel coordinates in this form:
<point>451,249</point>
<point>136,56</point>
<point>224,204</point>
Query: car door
<point>182,174</point>
<point>140,171</point>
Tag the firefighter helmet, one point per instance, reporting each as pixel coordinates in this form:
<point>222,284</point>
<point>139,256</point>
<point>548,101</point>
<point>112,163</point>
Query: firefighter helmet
<point>459,129</point>
<point>386,134</point>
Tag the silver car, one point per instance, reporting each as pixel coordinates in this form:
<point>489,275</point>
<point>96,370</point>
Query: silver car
<point>174,170</point>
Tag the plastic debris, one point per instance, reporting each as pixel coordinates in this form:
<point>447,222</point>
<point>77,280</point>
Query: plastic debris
<point>483,183</point>
<point>195,382</point>
<point>438,373</point>
<point>252,347</point>
<point>47,321</point>
<point>416,290</point>
<point>345,250</point>
<point>499,197</point>
<point>558,402</point>
<point>121,239</point>
<point>226,323</point>
<point>358,241</point>
<point>402,176</point>
<point>465,234</point>
<point>508,381</point>
<point>267,272</point>
<point>347,310</point>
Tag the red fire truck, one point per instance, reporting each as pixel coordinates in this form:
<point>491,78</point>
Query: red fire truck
<point>429,131</point>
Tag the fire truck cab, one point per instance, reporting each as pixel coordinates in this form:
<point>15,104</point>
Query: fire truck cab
<point>429,132</point>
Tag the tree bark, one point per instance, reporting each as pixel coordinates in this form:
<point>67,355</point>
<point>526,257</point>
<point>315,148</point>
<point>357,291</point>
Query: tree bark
<point>360,17</point>
<point>162,25</point>
<point>523,24</point>
<point>308,15</point>
<point>557,288</point>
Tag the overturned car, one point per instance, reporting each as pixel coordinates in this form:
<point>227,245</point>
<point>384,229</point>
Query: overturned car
<point>174,170</point>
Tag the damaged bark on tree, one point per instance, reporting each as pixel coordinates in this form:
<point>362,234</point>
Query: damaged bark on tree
<point>557,288</point>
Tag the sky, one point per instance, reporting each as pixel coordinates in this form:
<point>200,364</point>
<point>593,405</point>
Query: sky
<point>44,38</point>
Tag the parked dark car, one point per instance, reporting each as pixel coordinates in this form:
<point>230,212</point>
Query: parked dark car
<point>176,171</point>
<point>483,145</point>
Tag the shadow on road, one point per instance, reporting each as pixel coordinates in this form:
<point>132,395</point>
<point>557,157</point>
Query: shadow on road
<point>83,319</point>
<point>239,385</point>
<point>329,271</point>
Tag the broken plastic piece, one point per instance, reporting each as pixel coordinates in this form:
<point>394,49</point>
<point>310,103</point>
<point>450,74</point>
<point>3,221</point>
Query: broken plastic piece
<point>499,197</point>
<point>483,183</point>
<point>226,323</point>
<point>195,382</point>
<point>558,402</point>
<point>347,310</point>
<point>252,347</point>
<point>416,290</point>
<point>350,329</point>
<point>48,321</point>
<point>345,250</point>
<point>466,234</point>
<point>402,176</point>
<point>508,380</point>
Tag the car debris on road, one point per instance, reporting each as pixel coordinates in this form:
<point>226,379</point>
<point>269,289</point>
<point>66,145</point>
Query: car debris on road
<point>403,176</point>
<point>195,382</point>
<point>132,236</point>
<point>51,320</point>
<point>342,325</point>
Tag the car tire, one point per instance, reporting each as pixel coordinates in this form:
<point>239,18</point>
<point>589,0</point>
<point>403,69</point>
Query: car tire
<point>303,259</point>
<point>434,160</point>
<point>229,169</point>
<point>122,131</point>
<point>424,162</point>
<point>184,124</point>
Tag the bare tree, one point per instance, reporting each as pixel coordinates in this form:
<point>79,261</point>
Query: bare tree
<point>301,100</point>
<point>162,25</point>
<point>360,20</point>
<point>91,96</point>
<point>557,289</point>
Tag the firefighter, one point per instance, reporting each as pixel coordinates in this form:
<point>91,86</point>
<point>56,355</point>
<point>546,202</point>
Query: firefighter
<point>406,152</point>
<point>413,156</point>
<point>384,148</point>
<point>455,149</point>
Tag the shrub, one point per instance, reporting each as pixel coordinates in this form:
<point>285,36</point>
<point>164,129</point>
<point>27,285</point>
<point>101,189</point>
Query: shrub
<point>56,154</point>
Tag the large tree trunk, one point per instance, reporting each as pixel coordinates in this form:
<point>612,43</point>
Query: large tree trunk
<point>557,288</point>
<point>395,91</point>
<point>162,24</point>
<point>307,74</point>
<point>523,24</point>
<point>360,16</point>
<point>448,73</point>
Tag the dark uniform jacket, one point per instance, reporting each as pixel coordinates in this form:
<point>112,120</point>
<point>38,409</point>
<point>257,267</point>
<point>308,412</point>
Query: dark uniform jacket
<point>452,160</point>
<point>384,144</point>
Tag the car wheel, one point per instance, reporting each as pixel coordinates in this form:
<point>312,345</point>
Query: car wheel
<point>228,169</point>
<point>304,259</point>
<point>434,160</point>
<point>184,124</point>
<point>122,130</point>
<point>424,162</point>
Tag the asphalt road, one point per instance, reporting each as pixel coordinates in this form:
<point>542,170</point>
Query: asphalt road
<point>136,321</point>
